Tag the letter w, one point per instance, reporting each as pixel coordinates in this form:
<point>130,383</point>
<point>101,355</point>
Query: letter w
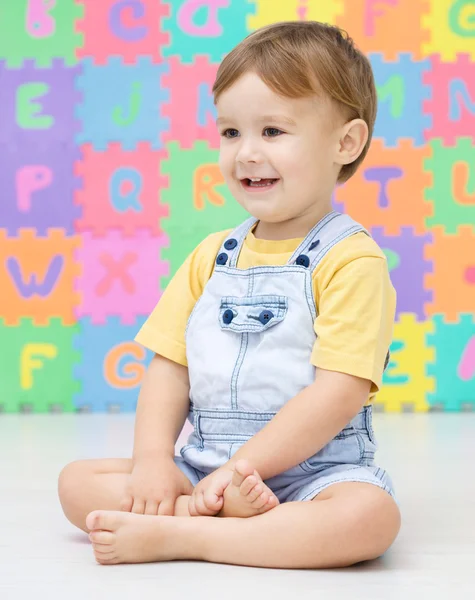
<point>28,289</point>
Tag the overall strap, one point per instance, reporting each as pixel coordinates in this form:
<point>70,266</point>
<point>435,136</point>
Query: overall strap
<point>231,247</point>
<point>333,228</point>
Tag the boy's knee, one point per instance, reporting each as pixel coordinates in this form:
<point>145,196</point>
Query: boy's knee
<point>71,482</point>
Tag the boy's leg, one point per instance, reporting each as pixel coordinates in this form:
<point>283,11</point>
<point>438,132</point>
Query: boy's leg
<point>345,524</point>
<point>98,484</point>
<point>86,485</point>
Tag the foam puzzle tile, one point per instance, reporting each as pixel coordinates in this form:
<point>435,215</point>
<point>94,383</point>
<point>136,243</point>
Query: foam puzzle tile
<point>452,99</point>
<point>36,367</point>
<point>38,104</point>
<point>266,12</point>
<point>407,268</point>
<point>38,188</point>
<point>121,189</point>
<point>401,95</point>
<point>449,28</point>
<point>390,26</point>
<point>37,276</point>
<point>406,383</point>
<point>392,182</point>
<point>191,112</point>
<point>119,276</point>
<point>145,188</point>
<point>41,30</point>
<point>338,206</point>
<point>454,365</point>
<point>452,189</point>
<point>199,199</point>
<point>191,35</point>
<point>128,29</point>
<point>453,278</point>
<point>112,365</point>
<point>122,103</point>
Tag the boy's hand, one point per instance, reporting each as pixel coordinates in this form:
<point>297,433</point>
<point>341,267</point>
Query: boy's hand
<point>207,497</point>
<point>153,487</point>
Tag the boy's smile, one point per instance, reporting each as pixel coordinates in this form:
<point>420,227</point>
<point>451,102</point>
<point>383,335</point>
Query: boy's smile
<point>260,186</point>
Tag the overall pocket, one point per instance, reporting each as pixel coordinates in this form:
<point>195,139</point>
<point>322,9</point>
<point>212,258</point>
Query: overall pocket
<point>251,313</point>
<point>345,448</point>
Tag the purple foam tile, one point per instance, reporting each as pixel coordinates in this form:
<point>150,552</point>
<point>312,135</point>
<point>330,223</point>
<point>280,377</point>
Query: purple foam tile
<point>338,206</point>
<point>38,105</point>
<point>409,274</point>
<point>37,188</point>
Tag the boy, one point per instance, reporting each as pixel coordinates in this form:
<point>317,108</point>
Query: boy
<point>272,337</point>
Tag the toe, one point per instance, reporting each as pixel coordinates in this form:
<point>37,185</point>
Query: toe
<point>103,555</point>
<point>255,492</point>
<point>242,469</point>
<point>247,485</point>
<point>106,559</point>
<point>99,552</point>
<point>102,537</point>
<point>261,500</point>
<point>101,519</point>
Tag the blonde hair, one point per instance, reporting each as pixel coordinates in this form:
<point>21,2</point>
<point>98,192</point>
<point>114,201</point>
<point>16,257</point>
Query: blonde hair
<point>304,58</point>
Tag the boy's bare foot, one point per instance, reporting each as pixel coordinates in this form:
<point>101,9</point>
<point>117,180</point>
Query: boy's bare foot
<point>247,495</point>
<point>122,537</point>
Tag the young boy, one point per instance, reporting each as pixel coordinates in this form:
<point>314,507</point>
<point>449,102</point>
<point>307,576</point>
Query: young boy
<point>272,338</point>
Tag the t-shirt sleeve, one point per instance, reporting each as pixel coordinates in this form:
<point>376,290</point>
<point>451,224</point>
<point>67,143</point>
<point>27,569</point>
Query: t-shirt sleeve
<point>355,320</point>
<point>164,330</point>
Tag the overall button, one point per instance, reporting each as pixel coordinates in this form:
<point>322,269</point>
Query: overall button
<point>230,244</point>
<point>266,316</point>
<point>222,258</point>
<point>228,316</point>
<point>303,260</point>
<point>314,244</point>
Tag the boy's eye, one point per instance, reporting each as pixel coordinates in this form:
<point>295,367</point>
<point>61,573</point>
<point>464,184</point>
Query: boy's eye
<point>226,131</point>
<point>273,129</point>
<point>273,132</point>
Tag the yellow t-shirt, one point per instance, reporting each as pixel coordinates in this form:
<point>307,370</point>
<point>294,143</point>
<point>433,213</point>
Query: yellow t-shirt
<point>354,297</point>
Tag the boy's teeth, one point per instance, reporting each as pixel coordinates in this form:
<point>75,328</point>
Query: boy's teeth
<point>261,182</point>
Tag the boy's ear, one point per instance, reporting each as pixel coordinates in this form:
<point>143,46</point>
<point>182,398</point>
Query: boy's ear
<point>353,138</point>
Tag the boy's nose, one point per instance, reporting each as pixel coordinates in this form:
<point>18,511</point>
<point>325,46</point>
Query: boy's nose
<point>248,151</point>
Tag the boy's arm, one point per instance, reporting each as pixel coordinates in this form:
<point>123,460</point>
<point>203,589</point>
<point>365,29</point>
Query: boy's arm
<point>162,408</point>
<point>306,423</point>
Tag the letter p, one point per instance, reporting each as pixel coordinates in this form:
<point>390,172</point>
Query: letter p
<point>29,179</point>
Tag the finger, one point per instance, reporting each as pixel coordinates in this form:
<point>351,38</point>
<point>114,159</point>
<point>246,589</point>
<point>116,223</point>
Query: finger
<point>221,484</point>
<point>167,507</point>
<point>151,508</point>
<point>192,507</point>
<point>212,500</point>
<point>201,506</point>
<point>138,507</point>
<point>126,504</point>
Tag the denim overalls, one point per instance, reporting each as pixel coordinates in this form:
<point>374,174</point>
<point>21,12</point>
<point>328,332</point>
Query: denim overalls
<point>249,340</point>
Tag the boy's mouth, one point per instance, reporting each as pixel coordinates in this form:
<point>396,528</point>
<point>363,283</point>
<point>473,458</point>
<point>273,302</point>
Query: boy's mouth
<point>258,185</point>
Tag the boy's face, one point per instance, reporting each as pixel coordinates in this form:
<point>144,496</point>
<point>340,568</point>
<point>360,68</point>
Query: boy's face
<point>300,155</point>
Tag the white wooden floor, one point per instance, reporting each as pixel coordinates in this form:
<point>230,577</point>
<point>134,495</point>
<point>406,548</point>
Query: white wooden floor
<point>430,457</point>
